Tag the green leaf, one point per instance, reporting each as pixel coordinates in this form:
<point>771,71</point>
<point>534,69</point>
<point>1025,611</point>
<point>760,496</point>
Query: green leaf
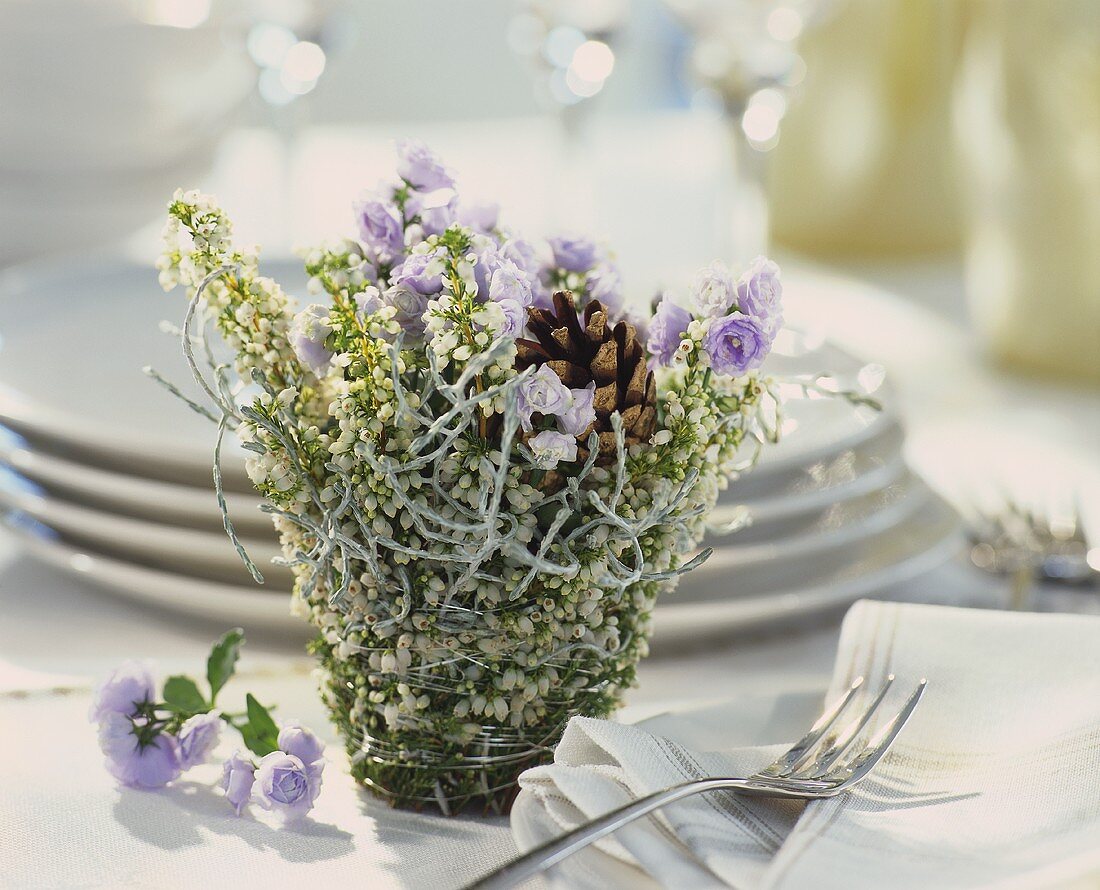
<point>257,745</point>
<point>183,695</point>
<point>260,734</point>
<point>223,661</point>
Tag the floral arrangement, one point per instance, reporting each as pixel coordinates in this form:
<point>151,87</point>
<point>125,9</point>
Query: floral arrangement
<point>483,467</point>
<point>148,741</point>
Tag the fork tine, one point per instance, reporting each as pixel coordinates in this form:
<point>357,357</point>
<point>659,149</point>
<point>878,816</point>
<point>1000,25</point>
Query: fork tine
<point>823,763</point>
<point>880,744</point>
<point>800,749</point>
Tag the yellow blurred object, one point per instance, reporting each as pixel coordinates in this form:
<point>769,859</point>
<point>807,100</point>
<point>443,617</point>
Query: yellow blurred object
<point>863,164</point>
<point>1027,116</point>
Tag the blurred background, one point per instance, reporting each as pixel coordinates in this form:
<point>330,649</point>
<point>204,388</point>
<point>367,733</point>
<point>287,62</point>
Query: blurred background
<point>927,172</point>
<point>946,148</point>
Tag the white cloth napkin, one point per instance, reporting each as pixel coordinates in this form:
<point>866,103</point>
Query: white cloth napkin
<point>995,782</point>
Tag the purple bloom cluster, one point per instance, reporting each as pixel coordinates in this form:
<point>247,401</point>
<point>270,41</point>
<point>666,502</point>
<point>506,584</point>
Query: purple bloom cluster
<point>543,393</point>
<point>742,317</point>
<point>148,743</point>
<point>286,782</point>
<point>137,753</point>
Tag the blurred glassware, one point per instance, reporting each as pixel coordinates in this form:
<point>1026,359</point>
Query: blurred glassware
<point>568,44</point>
<point>107,107</point>
<point>1027,115</point>
<point>747,58</point>
<point>865,164</point>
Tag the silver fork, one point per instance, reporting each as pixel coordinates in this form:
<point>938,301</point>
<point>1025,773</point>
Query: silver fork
<point>820,764</point>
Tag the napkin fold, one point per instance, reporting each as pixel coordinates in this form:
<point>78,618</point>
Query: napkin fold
<point>995,781</point>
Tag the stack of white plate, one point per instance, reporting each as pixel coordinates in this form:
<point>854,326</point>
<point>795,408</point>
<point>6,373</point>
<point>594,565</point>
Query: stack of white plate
<point>107,476</point>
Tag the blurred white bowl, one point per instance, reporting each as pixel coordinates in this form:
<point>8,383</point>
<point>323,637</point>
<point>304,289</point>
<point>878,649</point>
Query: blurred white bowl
<point>105,113</point>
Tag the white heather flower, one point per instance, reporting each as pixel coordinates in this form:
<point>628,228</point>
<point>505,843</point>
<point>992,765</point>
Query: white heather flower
<point>551,447</point>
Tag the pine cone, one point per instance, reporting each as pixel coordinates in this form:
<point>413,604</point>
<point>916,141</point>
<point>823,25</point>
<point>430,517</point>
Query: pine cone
<point>584,349</point>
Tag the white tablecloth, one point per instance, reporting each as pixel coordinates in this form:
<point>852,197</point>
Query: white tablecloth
<point>64,824</point>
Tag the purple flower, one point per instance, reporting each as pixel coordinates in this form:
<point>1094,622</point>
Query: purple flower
<point>369,301</point>
<point>198,737</point>
<point>121,691</point>
<point>436,214</point>
<point>419,167</point>
<point>550,448</point>
<point>414,272</point>
<point>713,291</point>
<point>380,226</point>
<point>666,330</point>
<point>284,786</point>
<point>542,393</point>
<point>481,218</point>
<point>488,261</point>
<point>574,254</point>
<point>295,739</point>
<point>760,293</point>
<point>515,317</point>
<point>606,285</point>
<point>238,777</point>
<point>581,414</point>
<point>307,337</point>
<point>509,282</point>
<point>410,305</point>
<point>524,254</point>
<point>153,765</point>
<point>736,344</point>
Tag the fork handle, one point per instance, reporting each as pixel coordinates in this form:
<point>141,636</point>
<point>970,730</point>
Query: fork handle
<point>554,851</point>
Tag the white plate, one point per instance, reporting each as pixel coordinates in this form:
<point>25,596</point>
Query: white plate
<point>99,408</point>
<point>225,604</point>
<point>165,502</point>
<point>679,626</point>
<point>831,532</point>
<point>203,554</point>
<point>724,607</point>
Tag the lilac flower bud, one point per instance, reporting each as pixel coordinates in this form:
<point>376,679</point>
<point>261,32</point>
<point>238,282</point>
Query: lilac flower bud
<point>581,414</point>
<point>410,305</point>
<point>488,261</point>
<point>666,330</point>
<point>307,337</point>
<point>284,786</point>
<point>515,318</point>
<point>153,765</point>
<point>381,228</point>
<point>509,282</point>
<point>198,737</point>
<point>414,272</point>
<point>574,254</point>
<point>713,291</point>
<point>238,777</point>
<point>481,218</point>
<point>736,344</point>
<point>419,167</point>
<point>606,285</point>
<point>300,742</point>
<point>760,293</point>
<point>436,213</point>
<point>550,448</point>
<point>542,393</point>
<point>369,301</point>
<point>120,692</point>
